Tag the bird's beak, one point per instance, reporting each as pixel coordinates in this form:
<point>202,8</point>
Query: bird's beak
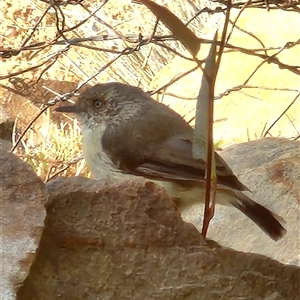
<point>69,109</point>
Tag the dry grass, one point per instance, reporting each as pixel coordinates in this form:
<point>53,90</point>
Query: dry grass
<point>57,153</point>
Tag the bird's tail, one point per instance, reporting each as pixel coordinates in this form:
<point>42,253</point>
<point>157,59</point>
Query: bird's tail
<point>268,221</point>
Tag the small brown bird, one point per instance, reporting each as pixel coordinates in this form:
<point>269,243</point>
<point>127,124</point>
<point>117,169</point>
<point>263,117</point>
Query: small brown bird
<point>126,132</point>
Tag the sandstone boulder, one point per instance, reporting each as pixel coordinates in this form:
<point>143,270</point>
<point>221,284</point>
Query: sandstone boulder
<point>270,168</point>
<point>125,240</point>
<point>22,214</point>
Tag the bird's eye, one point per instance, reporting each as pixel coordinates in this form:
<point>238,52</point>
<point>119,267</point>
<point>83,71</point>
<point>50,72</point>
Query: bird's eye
<point>98,103</point>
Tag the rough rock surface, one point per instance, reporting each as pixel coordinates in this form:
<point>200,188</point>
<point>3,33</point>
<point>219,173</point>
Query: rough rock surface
<point>270,168</point>
<point>5,145</point>
<point>6,125</point>
<point>22,214</point>
<point>125,240</point>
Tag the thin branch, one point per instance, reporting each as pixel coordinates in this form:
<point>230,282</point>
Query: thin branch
<point>27,128</point>
<point>286,109</point>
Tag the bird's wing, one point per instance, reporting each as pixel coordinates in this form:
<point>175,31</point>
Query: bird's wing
<point>161,152</point>
<point>174,161</point>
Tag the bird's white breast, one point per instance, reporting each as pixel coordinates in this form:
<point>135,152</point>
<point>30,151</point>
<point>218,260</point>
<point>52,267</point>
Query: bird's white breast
<point>98,162</point>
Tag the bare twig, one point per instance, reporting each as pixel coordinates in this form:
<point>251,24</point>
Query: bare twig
<point>279,117</point>
<point>27,128</point>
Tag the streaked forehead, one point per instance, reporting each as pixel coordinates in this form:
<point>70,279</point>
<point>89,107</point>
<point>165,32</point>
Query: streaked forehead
<point>110,90</point>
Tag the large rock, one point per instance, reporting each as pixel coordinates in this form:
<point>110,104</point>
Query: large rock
<point>270,168</point>
<point>22,212</point>
<point>125,240</point>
